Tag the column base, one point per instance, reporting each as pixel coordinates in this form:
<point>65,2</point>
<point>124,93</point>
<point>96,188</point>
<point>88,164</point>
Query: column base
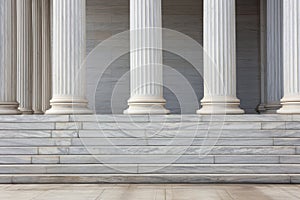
<point>144,106</point>
<point>218,107</point>
<point>38,112</point>
<point>290,105</point>
<point>68,107</point>
<point>270,108</point>
<point>26,111</point>
<point>9,109</point>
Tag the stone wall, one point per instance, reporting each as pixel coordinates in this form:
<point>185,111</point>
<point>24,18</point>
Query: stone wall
<point>106,18</point>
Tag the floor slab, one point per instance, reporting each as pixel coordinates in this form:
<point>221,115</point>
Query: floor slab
<point>149,192</point>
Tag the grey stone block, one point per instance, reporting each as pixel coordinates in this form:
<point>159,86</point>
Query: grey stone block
<point>182,150</point>
<point>246,159</point>
<point>45,159</point>
<point>18,150</point>
<point>34,142</point>
<point>220,169</point>
<point>26,126</point>
<point>290,159</point>
<point>23,169</point>
<point>16,159</point>
<point>91,169</point>
<point>295,179</point>
<point>25,134</point>
<point>65,134</point>
<point>273,125</point>
<point>249,118</point>
<point>68,125</point>
<point>53,150</point>
<point>136,159</point>
<point>154,178</point>
<point>287,141</point>
<point>109,118</point>
<point>34,118</point>
<point>293,125</point>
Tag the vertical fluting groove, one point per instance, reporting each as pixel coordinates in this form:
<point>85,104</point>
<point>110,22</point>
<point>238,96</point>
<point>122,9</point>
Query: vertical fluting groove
<point>24,56</point>
<point>220,58</point>
<point>8,58</point>
<point>274,71</point>
<point>68,57</point>
<point>37,57</point>
<point>46,55</point>
<point>146,58</point>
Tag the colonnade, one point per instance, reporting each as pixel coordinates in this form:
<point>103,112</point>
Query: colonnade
<point>35,79</point>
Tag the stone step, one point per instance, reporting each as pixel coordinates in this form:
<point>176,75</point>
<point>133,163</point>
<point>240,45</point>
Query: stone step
<point>171,150</point>
<point>146,118</point>
<point>29,142</point>
<point>149,178</point>
<point>231,125</point>
<point>253,134</point>
<point>150,169</point>
<point>149,159</point>
<point>152,150</point>
<point>177,133</point>
<point>40,142</point>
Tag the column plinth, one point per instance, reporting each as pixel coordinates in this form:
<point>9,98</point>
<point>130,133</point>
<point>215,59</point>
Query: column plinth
<point>146,61</point>
<point>220,59</point>
<point>8,58</point>
<point>291,53</point>
<point>68,66</point>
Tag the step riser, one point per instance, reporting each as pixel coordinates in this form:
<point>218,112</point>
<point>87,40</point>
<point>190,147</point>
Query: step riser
<point>153,126</point>
<point>150,159</point>
<point>152,150</point>
<point>149,169</point>
<point>253,134</point>
<point>152,179</point>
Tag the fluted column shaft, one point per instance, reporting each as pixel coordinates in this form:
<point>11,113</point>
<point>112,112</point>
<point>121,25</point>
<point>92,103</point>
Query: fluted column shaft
<point>274,65</point>
<point>46,54</point>
<point>291,54</point>
<point>69,35</point>
<point>146,58</point>
<point>37,56</point>
<point>220,58</point>
<point>8,58</point>
<point>24,55</point>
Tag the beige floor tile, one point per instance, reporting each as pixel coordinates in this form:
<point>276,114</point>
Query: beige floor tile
<point>149,192</point>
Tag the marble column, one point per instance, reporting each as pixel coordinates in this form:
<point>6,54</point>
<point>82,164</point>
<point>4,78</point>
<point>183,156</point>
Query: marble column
<point>146,70</point>
<point>291,54</point>
<point>8,58</point>
<point>274,66</point>
<point>68,67</point>
<point>46,54</point>
<point>220,59</point>
<point>37,57</point>
<point>24,55</point>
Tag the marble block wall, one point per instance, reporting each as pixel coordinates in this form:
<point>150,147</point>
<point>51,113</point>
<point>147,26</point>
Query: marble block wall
<point>106,18</point>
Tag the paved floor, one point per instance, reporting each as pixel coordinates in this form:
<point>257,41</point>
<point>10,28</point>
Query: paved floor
<point>151,192</point>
